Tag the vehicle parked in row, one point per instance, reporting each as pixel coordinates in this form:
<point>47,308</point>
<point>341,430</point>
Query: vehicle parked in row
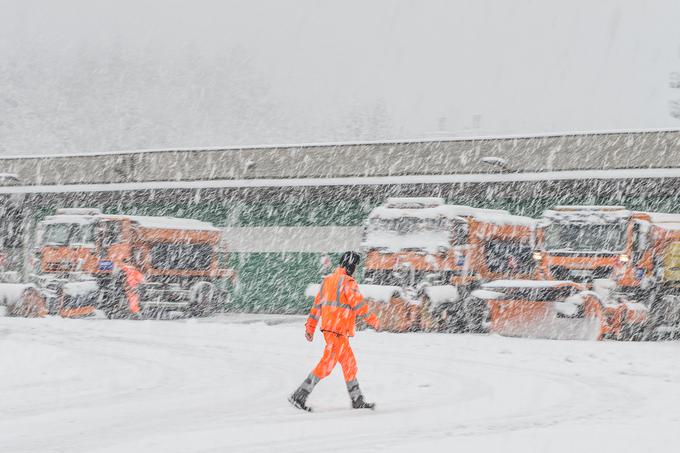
<point>80,255</point>
<point>428,257</point>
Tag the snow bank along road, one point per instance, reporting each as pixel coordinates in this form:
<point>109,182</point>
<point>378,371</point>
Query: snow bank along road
<point>220,385</point>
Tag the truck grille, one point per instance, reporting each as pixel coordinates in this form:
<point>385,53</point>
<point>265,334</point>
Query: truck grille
<point>59,266</point>
<point>182,256</point>
<point>389,277</point>
<point>580,275</point>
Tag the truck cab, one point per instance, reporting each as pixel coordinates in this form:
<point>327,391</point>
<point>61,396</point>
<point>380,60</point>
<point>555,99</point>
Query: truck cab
<point>582,243</point>
<point>436,254</point>
<point>179,259</point>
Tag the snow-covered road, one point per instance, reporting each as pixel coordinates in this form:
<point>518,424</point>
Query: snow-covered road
<point>220,385</point>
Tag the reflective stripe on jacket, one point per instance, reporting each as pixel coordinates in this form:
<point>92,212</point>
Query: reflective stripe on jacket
<point>338,304</point>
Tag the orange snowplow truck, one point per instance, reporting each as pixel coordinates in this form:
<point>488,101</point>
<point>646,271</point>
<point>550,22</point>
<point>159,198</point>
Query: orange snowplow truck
<point>432,255</point>
<point>650,273</point>
<point>80,253</point>
<point>581,243</point>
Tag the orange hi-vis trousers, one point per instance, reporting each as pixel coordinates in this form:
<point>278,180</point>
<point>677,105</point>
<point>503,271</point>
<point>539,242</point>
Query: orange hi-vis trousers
<point>337,350</point>
<point>133,300</point>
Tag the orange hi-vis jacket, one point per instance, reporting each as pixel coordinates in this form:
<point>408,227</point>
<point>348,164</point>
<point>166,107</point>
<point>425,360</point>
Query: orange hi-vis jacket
<point>338,304</point>
<point>133,278</point>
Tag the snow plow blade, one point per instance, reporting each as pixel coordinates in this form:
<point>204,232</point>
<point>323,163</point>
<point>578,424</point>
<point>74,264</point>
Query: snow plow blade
<point>19,299</point>
<point>389,303</point>
<point>396,312</point>
<point>557,310</point>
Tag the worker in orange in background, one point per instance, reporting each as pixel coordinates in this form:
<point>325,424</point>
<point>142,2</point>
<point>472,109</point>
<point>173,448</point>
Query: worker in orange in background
<point>338,304</point>
<point>133,278</point>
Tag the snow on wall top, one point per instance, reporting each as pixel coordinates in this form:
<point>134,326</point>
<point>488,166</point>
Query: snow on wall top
<point>664,220</point>
<point>669,226</point>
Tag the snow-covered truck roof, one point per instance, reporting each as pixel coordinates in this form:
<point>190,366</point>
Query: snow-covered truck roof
<point>69,219</point>
<point>597,215</point>
<point>85,216</point>
<point>173,223</point>
<point>453,212</point>
<point>433,239</point>
<point>428,208</point>
<point>505,219</point>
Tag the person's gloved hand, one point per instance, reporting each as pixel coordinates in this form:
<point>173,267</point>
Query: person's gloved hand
<point>309,336</point>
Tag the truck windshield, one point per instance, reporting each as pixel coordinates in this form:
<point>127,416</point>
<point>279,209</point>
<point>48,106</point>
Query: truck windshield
<point>82,234</point>
<point>586,237</point>
<point>68,234</point>
<point>56,234</point>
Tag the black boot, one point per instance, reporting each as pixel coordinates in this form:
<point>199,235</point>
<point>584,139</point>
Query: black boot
<point>357,397</point>
<point>299,398</point>
<point>359,403</point>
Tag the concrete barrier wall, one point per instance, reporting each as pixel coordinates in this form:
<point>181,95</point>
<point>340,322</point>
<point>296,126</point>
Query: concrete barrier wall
<point>660,149</point>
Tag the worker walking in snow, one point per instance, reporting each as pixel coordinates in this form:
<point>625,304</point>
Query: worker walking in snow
<point>338,304</point>
<point>133,278</point>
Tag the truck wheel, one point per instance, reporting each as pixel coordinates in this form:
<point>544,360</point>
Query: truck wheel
<point>113,301</point>
<point>476,314</point>
<point>449,318</point>
<point>204,301</point>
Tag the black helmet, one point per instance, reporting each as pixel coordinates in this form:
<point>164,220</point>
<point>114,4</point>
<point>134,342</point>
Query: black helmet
<point>349,261</point>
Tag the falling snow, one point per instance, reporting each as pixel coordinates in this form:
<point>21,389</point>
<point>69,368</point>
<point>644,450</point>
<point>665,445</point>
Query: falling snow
<point>177,180</point>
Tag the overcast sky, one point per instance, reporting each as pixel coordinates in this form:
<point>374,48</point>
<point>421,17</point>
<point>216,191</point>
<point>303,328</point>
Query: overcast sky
<point>94,75</point>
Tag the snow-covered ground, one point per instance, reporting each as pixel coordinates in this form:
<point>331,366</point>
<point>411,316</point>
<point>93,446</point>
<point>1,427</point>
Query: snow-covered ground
<point>220,385</point>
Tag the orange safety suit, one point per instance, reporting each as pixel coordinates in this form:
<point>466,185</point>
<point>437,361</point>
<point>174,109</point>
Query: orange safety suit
<point>133,277</point>
<point>338,304</point>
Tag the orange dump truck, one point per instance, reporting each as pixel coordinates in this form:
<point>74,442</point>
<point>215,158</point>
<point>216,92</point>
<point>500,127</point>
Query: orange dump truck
<point>430,256</point>
<point>650,272</point>
<point>581,243</point>
<point>79,254</point>
<point>558,310</point>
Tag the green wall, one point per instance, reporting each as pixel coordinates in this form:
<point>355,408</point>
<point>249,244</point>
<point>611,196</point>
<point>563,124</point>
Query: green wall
<point>275,282</point>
